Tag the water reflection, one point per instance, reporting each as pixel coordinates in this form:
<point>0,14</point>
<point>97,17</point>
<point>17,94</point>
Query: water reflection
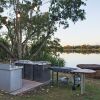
<point>72,59</point>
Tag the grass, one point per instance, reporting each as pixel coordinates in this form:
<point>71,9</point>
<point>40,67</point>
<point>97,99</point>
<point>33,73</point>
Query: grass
<point>59,93</point>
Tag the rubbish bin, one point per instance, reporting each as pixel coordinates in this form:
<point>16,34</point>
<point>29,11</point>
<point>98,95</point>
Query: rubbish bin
<point>41,72</point>
<point>27,71</point>
<point>10,77</point>
<point>35,70</point>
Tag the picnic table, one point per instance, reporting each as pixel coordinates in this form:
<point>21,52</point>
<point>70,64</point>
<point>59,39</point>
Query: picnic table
<point>95,67</point>
<point>60,69</point>
<point>89,66</point>
<point>82,74</point>
<point>74,71</point>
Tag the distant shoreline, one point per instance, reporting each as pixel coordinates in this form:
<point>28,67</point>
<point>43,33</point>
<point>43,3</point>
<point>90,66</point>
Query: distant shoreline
<point>82,49</point>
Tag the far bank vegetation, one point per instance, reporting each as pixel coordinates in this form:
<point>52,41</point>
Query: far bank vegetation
<point>82,48</point>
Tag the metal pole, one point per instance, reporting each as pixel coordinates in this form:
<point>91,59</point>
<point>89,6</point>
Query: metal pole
<point>74,83</point>
<point>52,77</point>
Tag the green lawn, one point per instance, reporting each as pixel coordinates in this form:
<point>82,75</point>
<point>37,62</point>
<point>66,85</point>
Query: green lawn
<point>59,93</point>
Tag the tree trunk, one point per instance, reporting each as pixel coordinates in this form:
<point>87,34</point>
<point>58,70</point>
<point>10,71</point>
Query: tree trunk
<point>18,31</point>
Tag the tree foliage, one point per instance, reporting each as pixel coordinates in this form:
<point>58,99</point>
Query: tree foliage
<point>36,27</point>
<point>65,10</point>
<point>3,55</point>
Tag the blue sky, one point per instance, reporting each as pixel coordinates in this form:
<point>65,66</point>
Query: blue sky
<point>83,32</point>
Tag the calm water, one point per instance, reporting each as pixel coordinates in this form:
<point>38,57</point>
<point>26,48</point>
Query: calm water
<point>72,59</point>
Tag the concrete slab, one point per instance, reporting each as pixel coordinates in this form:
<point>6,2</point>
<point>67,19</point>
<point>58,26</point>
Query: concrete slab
<point>27,85</point>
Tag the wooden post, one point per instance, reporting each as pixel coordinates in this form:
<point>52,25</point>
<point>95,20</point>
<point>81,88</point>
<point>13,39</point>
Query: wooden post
<point>82,83</point>
<point>57,78</point>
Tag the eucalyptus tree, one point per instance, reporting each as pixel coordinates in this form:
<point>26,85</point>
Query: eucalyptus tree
<point>27,26</point>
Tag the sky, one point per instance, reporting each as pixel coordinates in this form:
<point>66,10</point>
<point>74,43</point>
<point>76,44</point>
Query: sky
<point>83,32</point>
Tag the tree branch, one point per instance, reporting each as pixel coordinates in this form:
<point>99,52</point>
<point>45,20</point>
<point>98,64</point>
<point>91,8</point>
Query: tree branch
<point>39,49</point>
<point>27,38</point>
<point>6,49</point>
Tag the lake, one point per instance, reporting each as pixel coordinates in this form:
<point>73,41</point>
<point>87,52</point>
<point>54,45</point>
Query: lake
<point>72,59</point>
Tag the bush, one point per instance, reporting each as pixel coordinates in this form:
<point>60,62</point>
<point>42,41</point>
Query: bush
<point>55,61</point>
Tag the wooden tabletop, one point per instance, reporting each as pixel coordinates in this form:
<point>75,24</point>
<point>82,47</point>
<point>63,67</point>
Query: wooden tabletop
<point>88,71</point>
<point>89,66</point>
